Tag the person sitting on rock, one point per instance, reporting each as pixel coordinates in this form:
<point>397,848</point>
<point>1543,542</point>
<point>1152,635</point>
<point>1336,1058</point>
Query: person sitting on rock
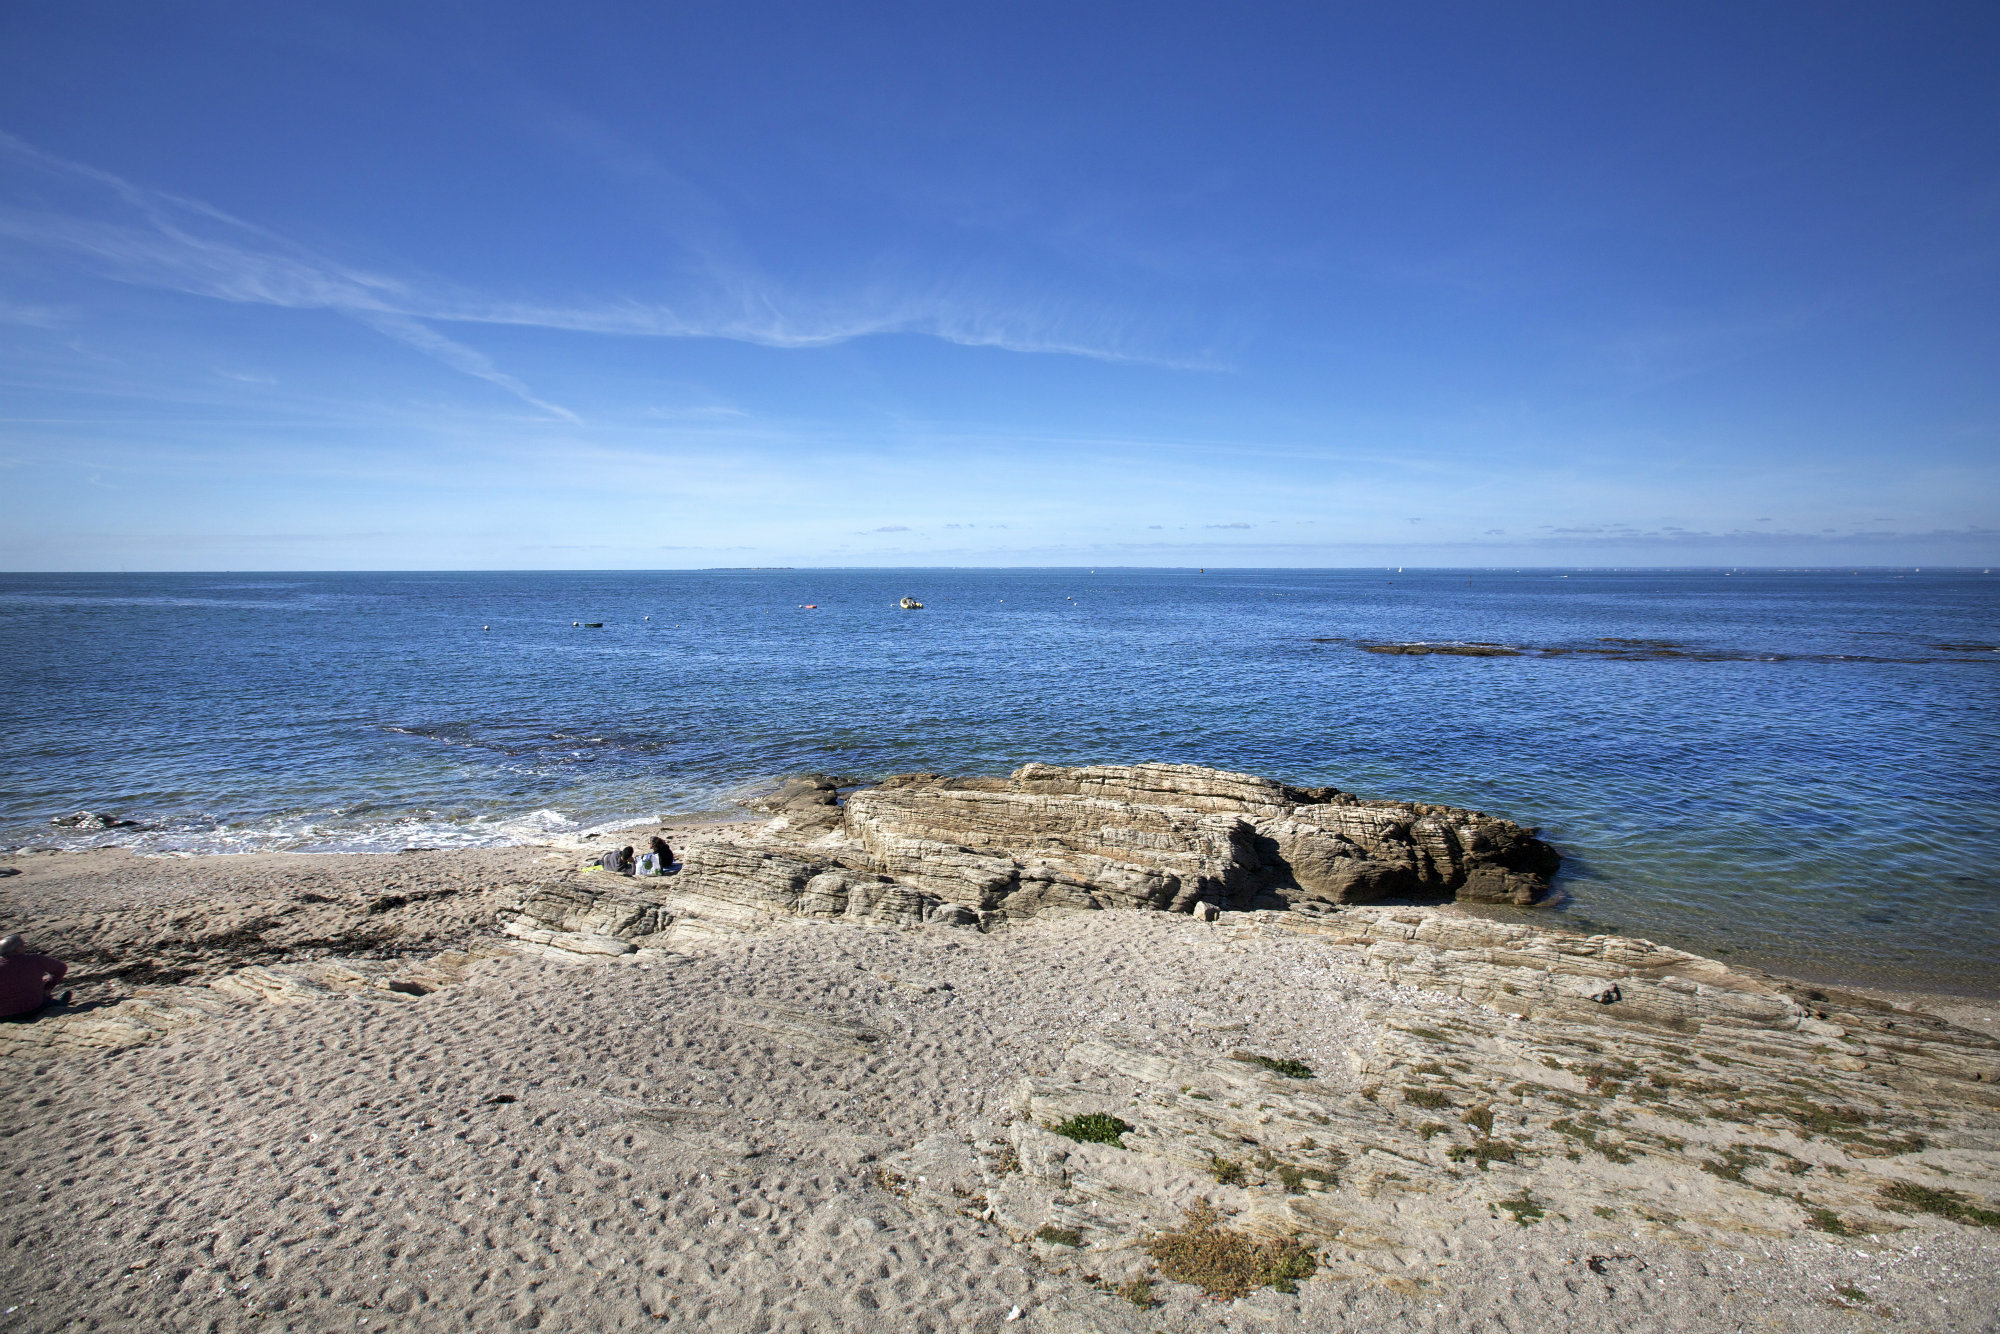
<point>663,852</point>
<point>26,979</point>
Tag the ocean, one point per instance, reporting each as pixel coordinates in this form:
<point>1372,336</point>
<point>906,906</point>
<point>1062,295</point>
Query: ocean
<point>1798,770</point>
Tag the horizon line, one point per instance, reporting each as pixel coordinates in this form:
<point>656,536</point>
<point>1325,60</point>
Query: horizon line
<point>854,569</point>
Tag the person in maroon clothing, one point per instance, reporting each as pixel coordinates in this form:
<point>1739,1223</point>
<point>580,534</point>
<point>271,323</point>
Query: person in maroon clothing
<point>26,979</point>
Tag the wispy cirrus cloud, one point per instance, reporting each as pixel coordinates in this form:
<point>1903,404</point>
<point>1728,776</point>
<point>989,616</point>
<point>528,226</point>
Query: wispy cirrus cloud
<point>169,241</point>
<point>153,238</point>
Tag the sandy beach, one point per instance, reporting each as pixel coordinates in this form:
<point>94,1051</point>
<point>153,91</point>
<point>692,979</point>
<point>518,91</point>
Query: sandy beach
<point>796,1124</point>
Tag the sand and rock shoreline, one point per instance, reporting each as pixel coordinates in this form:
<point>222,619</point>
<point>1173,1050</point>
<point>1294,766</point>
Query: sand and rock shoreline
<point>1148,1047</point>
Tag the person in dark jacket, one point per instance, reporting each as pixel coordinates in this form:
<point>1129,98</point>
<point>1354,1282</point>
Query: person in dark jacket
<point>665,853</point>
<point>26,979</point>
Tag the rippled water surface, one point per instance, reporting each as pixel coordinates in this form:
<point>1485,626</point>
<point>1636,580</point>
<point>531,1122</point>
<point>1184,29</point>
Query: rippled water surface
<point>1800,769</point>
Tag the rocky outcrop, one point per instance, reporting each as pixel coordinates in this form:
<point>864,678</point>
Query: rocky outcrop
<point>808,802</point>
<point>1191,835</point>
<point>923,849</point>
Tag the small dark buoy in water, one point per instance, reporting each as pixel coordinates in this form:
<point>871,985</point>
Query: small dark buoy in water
<point>593,625</point>
<point>486,627</point>
<point>576,623</point>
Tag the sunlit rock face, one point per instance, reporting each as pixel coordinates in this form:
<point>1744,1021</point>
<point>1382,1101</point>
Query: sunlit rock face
<point>1173,835</point>
<point>924,849</point>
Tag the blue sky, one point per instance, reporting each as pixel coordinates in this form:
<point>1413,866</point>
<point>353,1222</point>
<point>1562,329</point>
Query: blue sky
<point>654,286</point>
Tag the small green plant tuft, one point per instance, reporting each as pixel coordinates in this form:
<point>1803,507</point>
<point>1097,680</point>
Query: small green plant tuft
<point>1139,1292</point>
<point>1604,1211</point>
<point>1850,1292</point>
<point>1294,1177</point>
<point>1730,1166</point>
<point>1287,1067</point>
<point>1826,1120</point>
<point>1286,1272</point>
<point>1587,1136</point>
<point>1483,1151</point>
<point>1827,1221</point>
<point>1944,1203</point>
<point>1094,1128</point>
<point>1423,1097</point>
<point>1059,1236</point>
<point>1429,1128</point>
<point>1479,1118</point>
<point>1226,1171</point>
<point>1524,1208</point>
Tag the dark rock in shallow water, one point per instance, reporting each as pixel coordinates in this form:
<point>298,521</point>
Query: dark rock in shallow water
<point>91,820</point>
<point>1610,649</point>
<point>1449,650</point>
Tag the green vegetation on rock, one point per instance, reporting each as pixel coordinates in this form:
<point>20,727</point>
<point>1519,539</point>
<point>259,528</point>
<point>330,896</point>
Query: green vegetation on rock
<point>1094,1128</point>
<point>1290,1069</point>
<point>1944,1203</point>
<point>1523,1207</point>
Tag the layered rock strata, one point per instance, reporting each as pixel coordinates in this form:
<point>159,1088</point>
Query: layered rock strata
<point>923,848</point>
<point>150,1013</point>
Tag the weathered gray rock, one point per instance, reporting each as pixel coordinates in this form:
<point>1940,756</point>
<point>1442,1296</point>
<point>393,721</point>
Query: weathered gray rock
<point>802,790</point>
<point>1190,835</point>
<point>807,803</point>
<point>921,848</point>
<point>150,1013</point>
<point>92,820</point>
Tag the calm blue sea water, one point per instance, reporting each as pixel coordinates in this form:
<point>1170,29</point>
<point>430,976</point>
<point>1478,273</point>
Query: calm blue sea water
<point>1768,798</point>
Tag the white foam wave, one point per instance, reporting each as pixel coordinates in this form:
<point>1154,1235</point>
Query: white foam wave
<point>336,831</point>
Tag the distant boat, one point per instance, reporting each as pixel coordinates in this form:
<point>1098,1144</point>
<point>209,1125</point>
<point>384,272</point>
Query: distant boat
<point>910,604</point>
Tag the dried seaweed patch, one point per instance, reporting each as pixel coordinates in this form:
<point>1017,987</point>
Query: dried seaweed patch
<point>1228,1264</point>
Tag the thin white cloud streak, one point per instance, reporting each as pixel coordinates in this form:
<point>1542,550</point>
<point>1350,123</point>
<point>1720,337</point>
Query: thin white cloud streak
<point>459,357</point>
<point>256,267</point>
<point>185,245</point>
